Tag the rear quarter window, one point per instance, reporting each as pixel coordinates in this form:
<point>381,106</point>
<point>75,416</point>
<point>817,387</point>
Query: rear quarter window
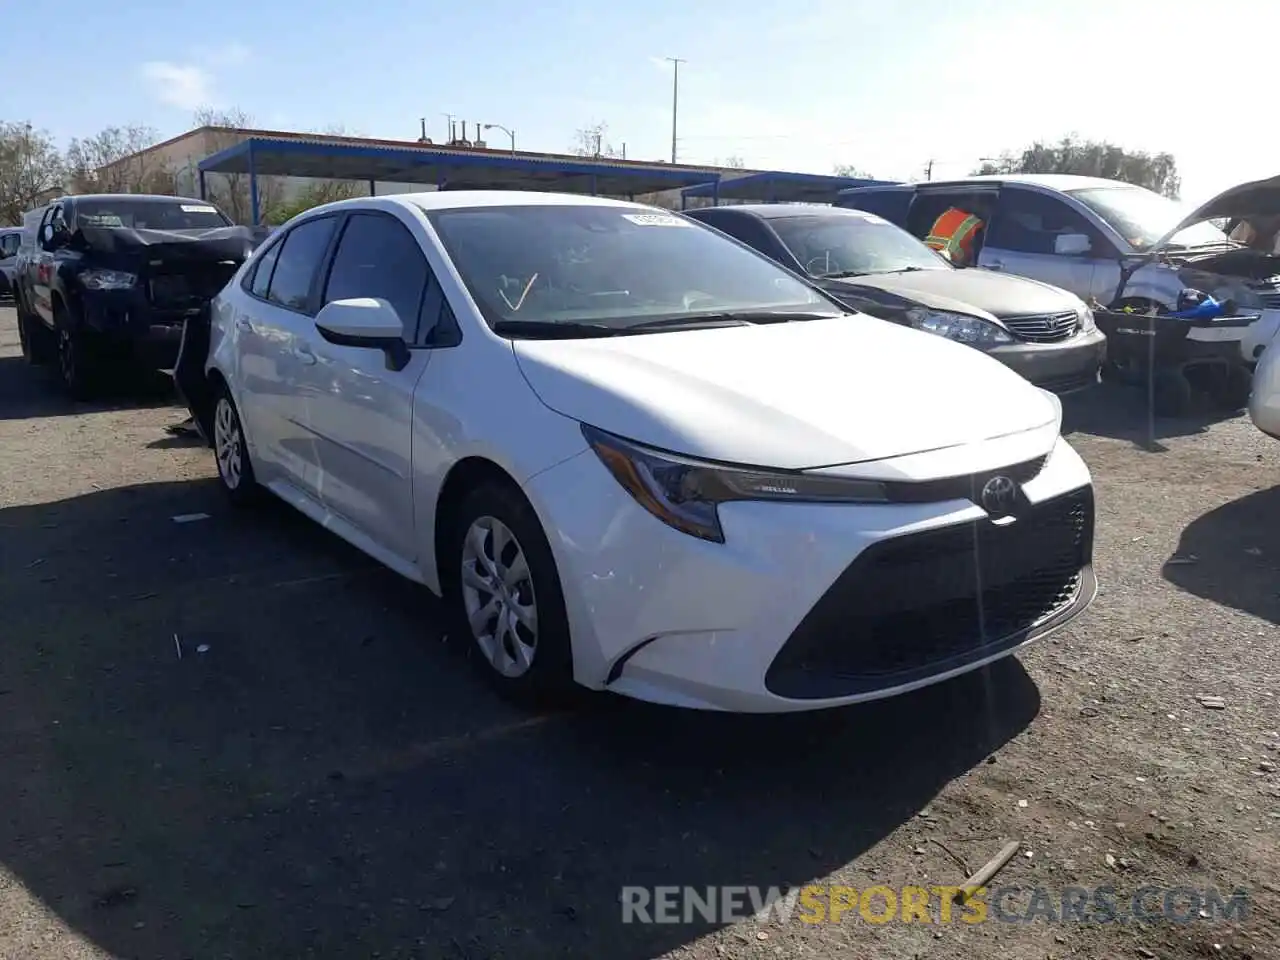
<point>892,205</point>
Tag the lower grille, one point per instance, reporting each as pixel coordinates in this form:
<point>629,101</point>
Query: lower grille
<point>921,604</point>
<point>191,288</point>
<point>1043,328</point>
<point>1270,298</point>
<point>1066,384</point>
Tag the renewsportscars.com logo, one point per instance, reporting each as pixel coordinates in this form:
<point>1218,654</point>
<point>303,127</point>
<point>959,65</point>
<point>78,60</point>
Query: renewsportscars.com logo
<point>818,903</point>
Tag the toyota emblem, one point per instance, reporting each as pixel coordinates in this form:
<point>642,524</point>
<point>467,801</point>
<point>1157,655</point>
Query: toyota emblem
<point>999,494</point>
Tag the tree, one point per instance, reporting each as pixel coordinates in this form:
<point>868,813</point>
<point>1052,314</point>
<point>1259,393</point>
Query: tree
<point>115,161</point>
<point>731,163</point>
<point>315,194</point>
<point>30,166</point>
<point>593,141</point>
<point>1092,158</point>
<point>230,191</point>
<point>849,170</point>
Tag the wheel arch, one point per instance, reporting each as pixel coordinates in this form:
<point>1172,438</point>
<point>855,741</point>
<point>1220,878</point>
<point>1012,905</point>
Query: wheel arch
<point>464,476</point>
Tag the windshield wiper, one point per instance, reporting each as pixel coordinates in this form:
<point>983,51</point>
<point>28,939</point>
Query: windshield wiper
<point>551,330</point>
<point>732,319</point>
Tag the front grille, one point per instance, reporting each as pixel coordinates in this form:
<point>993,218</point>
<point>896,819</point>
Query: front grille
<point>1270,297</point>
<point>1044,327</point>
<point>966,486</point>
<point>193,287</point>
<point>921,604</point>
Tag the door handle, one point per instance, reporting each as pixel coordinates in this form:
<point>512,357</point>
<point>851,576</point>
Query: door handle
<point>304,355</point>
<point>995,265</point>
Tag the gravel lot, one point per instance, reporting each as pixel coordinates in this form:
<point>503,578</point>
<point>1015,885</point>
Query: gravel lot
<point>318,773</point>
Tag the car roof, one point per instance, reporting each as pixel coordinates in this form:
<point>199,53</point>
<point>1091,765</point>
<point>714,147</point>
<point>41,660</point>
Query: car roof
<point>774,211</point>
<point>145,197</point>
<point>432,200</point>
<point>1049,181</point>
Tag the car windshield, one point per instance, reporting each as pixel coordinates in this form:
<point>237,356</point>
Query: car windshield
<point>1142,217</point>
<point>149,214</point>
<point>610,266</point>
<point>846,245</point>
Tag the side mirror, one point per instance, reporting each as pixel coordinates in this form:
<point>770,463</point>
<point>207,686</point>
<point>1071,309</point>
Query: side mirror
<point>1071,244</point>
<point>365,322</point>
<point>52,239</point>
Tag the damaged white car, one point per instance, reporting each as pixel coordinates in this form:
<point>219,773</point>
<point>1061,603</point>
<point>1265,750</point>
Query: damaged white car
<point>1111,243</point>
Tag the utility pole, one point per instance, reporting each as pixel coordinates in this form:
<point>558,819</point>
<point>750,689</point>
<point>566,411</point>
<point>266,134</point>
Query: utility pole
<point>675,100</point>
<point>928,169</point>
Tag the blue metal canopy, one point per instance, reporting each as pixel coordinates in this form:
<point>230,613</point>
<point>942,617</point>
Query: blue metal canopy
<point>444,167</point>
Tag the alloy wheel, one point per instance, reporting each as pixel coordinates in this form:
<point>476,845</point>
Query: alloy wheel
<point>228,444</point>
<point>67,358</point>
<point>497,592</point>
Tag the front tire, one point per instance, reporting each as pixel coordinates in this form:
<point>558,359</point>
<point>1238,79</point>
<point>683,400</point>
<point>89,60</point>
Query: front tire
<point>231,452</point>
<point>79,359</point>
<point>504,593</point>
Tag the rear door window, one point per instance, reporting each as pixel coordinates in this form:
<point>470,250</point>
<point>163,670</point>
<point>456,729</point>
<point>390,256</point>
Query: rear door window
<point>301,252</point>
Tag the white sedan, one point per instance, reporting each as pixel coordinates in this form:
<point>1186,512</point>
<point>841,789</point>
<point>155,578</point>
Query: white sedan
<point>635,454</point>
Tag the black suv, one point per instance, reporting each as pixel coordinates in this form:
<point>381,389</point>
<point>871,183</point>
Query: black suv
<point>109,281</point>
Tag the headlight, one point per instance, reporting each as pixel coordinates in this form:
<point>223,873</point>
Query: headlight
<point>685,493</point>
<point>1087,323</point>
<point>107,279</point>
<point>958,326</point>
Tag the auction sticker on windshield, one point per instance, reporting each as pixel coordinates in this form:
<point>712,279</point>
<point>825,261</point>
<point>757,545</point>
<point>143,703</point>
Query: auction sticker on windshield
<point>197,208</point>
<point>656,220</point>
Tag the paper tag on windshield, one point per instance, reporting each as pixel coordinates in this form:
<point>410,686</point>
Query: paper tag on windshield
<point>655,220</point>
<point>197,208</point>
<point>869,217</point>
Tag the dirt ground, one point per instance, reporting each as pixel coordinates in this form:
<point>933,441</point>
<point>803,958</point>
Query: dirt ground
<point>236,737</point>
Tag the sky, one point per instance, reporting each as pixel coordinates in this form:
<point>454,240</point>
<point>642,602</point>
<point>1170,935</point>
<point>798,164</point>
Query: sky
<point>885,87</point>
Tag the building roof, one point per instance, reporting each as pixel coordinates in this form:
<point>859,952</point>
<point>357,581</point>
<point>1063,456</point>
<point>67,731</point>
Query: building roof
<point>276,153</point>
<point>774,185</point>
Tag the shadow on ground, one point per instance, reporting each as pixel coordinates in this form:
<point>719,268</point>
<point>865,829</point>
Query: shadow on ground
<point>1231,555</point>
<point>27,392</point>
<point>1123,413</point>
<point>236,737</point>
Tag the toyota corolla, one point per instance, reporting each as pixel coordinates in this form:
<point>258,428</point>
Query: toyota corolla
<point>634,454</point>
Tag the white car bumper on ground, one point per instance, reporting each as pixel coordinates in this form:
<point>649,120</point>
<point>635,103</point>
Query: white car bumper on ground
<point>1258,334</point>
<point>1264,399</point>
<point>808,606</point>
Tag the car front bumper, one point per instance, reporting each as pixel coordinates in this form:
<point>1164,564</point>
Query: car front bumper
<point>126,318</point>
<point>808,606</point>
<point>1058,367</point>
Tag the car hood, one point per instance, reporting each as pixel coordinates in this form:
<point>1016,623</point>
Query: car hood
<point>993,294</point>
<point>123,246</point>
<point>799,395</point>
<point>1258,198</point>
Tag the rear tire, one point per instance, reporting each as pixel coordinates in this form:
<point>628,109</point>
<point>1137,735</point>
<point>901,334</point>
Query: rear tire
<point>503,592</point>
<point>1173,394</point>
<point>38,344</point>
<point>231,452</point>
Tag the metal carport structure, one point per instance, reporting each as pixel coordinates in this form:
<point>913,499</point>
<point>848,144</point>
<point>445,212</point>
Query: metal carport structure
<point>776,187</point>
<point>263,153</point>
